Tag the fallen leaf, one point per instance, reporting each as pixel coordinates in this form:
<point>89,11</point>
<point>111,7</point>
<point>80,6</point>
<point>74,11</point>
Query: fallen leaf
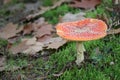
<point>86,4</point>
<point>33,27</point>
<point>28,28</point>
<point>43,30</point>
<point>34,46</point>
<point>19,48</point>
<point>72,17</point>
<point>54,43</point>
<point>30,41</point>
<point>33,49</point>
<point>44,38</point>
<point>10,30</point>
<point>38,23</point>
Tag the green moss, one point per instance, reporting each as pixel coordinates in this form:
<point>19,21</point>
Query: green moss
<point>88,73</point>
<point>47,2</point>
<point>3,42</point>
<point>52,16</point>
<point>12,63</point>
<point>100,10</point>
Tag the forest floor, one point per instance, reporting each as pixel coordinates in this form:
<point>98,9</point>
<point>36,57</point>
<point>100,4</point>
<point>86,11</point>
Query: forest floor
<point>102,57</point>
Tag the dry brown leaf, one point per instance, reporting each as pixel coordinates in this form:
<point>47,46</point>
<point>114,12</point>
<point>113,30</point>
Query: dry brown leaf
<point>72,17</point>
<point>10,30</point>
<point>43,30</point>
<point>34,46</point>
<point>114,31</point>
<point>33,49</point>
<point>36,26</point>
<point>54,43</point>
<point>29,41</point>
<point>28,28</point>
<point>86,4</point>
<point>44,38</point>
<point>39,28</point>
<point>19,48</point>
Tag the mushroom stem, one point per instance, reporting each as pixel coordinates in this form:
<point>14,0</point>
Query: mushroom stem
<point>80,52</point>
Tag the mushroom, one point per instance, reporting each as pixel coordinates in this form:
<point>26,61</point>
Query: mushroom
<point>80,31</point>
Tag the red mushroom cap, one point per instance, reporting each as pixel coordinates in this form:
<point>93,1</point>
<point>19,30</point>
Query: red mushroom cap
<point>83,30</point>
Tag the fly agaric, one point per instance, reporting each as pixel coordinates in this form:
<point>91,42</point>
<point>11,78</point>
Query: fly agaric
<point>83,30</point>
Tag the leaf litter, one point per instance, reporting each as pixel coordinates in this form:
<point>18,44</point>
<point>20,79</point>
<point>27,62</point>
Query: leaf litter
<point>43,37</point>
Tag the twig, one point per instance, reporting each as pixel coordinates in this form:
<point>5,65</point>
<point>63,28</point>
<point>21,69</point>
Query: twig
<point>114,31</point>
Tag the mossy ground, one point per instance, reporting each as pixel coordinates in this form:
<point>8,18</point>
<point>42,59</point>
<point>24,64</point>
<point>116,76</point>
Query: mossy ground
<point>101,63</point>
